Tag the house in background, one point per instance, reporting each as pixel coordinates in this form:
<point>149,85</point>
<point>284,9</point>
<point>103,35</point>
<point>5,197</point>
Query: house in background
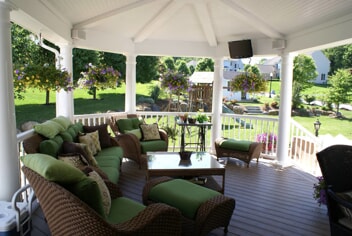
<point>233,65</point>
<point>322,64</point>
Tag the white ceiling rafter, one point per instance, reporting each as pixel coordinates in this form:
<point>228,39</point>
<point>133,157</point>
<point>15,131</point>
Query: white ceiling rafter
<point>164,14</point>
<point>205,21</point>
<point>252,19</point>
<point>96,19</point>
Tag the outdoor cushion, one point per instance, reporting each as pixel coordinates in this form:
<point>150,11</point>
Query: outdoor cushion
<point>70,147</point>
<point>104,191</point>
<point>66,136</point>
<point>92,141</point>
<point>153,146</point>
<point>108,161</point>
<point>88,191</point>
<point>127,124</point>
<point>113,173</point>
<point>63,121</point>
<point>240,145</point>
<point>136,132</point>
<point>74,159</point>
<point>182,194</point>
<point>52,169</point>
<point>104,137</point>
<point>150,132</point>
<point>123,209</point>
<point>49,147</point>
<point>49,128</point>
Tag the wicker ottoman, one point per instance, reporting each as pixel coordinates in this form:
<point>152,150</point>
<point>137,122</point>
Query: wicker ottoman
<point>202,209</point>
<point>240,149</point>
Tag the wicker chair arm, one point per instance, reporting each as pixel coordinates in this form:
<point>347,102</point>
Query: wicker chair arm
<point>339,200</point>
<point>130,145</point>
<point>158,217</point>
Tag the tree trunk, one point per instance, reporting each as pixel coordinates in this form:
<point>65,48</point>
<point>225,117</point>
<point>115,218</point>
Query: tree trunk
<point>47,97</point>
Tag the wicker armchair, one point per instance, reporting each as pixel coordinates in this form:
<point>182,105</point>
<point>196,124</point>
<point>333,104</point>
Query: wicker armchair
<point>336,166</point>
<point>130,144</point>
<point>68,215</point>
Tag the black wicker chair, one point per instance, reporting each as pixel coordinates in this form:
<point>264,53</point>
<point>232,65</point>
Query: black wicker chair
<point>336,166</point>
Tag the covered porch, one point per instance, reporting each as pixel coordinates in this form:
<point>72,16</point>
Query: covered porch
<point>274,29</point>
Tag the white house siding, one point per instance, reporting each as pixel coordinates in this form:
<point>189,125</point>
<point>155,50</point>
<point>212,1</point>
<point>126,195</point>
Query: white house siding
<point>322,64</point>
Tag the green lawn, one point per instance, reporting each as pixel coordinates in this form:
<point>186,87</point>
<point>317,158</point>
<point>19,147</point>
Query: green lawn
<point>32,108</point>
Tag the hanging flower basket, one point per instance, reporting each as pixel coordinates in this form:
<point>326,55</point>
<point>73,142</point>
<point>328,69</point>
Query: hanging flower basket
<point>319,193</point>
<point>175,82</point>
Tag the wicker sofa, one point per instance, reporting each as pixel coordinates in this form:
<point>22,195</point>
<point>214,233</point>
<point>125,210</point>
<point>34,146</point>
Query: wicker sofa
<point>59,136</point>
<point>73,203</point>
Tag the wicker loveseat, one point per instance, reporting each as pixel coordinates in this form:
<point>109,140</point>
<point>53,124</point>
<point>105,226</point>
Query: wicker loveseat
<point>73,204</point>
<point>130,138</point>
<point>59,136</point>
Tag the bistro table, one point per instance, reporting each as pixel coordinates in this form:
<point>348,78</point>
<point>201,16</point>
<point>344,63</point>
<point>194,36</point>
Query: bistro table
<point>201,134</point>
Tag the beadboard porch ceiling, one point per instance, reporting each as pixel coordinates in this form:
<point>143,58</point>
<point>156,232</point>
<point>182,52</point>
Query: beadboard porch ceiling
<point>188,27</point>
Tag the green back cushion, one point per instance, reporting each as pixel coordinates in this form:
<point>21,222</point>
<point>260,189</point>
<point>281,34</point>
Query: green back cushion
<point>123,209</point>
<point>66,136</point>
<point>51,146</point>
<point>127,124</point>
<point>63,121</point>
<point>240,145</point>
<point>153,146</point>
<point>88,191</point>
<point>136,132</point>
<point>182,194</point>
<point>52,169</point>
<point>49,129</point>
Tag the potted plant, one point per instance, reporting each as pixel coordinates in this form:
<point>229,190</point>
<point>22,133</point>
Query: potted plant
<point>269,141</point>
<point>201,117</point>
<point>319,193</point>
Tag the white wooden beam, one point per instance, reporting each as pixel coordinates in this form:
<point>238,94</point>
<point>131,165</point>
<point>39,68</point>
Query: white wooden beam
<point>252,19</point>
<point>205,21</point>
<point>96,19</point>
<point>164,14</point>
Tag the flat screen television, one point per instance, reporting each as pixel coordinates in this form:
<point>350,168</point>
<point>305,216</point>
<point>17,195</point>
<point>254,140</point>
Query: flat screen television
<point>240,49</point>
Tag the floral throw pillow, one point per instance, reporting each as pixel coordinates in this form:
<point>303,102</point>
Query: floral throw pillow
<point>150,132</point>
<point>74,159</point>
<point>103,190</point>
<point>92,141</point>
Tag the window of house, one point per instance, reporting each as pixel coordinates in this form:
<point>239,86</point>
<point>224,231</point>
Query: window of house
<point>322,77</point>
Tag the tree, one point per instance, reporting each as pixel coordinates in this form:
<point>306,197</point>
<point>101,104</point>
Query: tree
<point>146,69</point>
<point>205,64</point>
<point>169,63</point>
<point>340,90</point>
<point>304,71</point>
<point>254,69</point>
<point>340,57</point>
<point>183,68</point>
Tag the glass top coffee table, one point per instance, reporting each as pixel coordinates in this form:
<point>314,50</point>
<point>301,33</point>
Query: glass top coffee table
<point>170,164</point>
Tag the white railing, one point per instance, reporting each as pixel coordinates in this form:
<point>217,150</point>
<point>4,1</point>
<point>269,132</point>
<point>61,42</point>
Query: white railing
<point>303,144</point>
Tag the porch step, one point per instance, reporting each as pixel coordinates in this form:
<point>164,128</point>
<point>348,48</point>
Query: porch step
<point>253,110</point>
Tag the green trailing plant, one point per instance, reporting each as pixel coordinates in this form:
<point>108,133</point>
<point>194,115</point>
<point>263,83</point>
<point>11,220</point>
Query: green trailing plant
<point>171,132</point>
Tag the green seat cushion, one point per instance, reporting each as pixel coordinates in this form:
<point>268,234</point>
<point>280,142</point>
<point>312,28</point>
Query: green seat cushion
<point>63,121</point>
<point>108,161</point>
<point>52,169</point>
<point>49,129</point>
<point>183,195</point>
<point>153,146</point>
<point>88,191</point>
<point>111,151</point>
<point>123,209</point>
<point>127,124</point>
<point>113,173</point>
<point>240,145</point>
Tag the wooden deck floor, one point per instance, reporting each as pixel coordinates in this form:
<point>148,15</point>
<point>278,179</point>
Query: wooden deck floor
<point>269,201</point>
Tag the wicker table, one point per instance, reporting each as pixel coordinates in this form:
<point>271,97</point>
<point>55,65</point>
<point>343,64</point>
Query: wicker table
<point>200,164</point>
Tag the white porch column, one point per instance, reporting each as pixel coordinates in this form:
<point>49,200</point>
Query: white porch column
<point>217,102</point>
<point>130,96</point>
<point>9,163</point>
<point>285,109</point>
<point>64,99</point>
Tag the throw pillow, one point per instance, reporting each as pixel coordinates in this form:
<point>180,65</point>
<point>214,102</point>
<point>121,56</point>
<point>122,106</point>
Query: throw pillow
<point>92,141</point>
<point>104,136</point>
<point>73,159</point>
<point>49,129</point>
<point>150,132</point>
<point>136,132</point>
<point>81,148</point>
<point>52,169</point>
<point>63,121</point>
<point>105,194</point>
